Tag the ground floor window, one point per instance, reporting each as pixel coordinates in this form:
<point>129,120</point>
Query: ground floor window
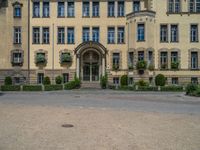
<point>175,81</point>
<point>151,80</point>
<point>116,80</point>
<point>40,78</point>
<point>65,77</point>
<point>194,80</point>
<point>130,81</point>
<point>17,80</point>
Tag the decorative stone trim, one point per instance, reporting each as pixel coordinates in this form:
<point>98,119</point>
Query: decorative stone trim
<point>20,63</point>
<point>147,13</point>
<point>46,56</point>
<point>17,4</point>
<point>65,51</point>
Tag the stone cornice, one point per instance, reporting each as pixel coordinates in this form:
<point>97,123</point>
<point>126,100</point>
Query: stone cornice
<point>148,13</point>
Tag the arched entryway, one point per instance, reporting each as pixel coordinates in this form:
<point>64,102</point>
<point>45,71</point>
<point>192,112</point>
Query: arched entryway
<point>90,61</point>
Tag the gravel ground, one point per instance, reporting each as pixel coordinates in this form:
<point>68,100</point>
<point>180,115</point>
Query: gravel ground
<point>35,127</point>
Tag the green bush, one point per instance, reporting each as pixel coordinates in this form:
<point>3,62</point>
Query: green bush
<point>147,88</point>
<point>124,80</point>
<point>142,83</point>
<point>40,58</point>
<point>172,88</point>
<point>66,58</point>
<point>141,65</point>
<point>53,87</point>
<point>73,84</point>
<point>8,81</point>
<point>160,80</point>
<point>191,88</point>
<point>47,81</point>
<point>115,67</point>
<point>103,82</point>
<point>174,65</point>
<point>32,88</point>
<point>196,92</point>
<point>10,87</point>
<point>59,80</point>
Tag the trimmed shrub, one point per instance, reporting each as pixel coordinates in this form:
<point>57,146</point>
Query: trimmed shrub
<point>103,82</point>
<point>73,84</point>
<point>172,88</point>
<point>147,88</point>
<point>32,88</point>
<point>59,80</point>
<point>191,88</point>
<point>124,80</point>
<point>142,83</point>
<point>160,80</point>
<point>196,92</point>
<point>47,81</point>
<point>8,81</point>
<point>53,87</point>
<point>10,87</point>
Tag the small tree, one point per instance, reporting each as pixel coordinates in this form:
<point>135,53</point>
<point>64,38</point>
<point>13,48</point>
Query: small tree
<point>59,80</point>
<point>124,80</point>
<point>160,80</point>
<point>47,81</point>
<point>8,80</point>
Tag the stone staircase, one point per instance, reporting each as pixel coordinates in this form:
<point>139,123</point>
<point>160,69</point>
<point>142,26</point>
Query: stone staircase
<point>90,85</point>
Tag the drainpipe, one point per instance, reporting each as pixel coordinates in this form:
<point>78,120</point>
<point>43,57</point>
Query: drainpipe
<point>53,54</point>
<point>29,42</point>
<point>128,54</point>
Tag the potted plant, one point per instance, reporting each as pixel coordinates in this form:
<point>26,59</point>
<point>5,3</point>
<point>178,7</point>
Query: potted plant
<point>66,58</point>
<point>174,65</point>
<point>40,59</point>
<point>164,66</point>
<point>141,66</point>
<point>115,67</point>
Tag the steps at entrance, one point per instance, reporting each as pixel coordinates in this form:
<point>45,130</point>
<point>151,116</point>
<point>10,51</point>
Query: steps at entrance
<point>90,85</point>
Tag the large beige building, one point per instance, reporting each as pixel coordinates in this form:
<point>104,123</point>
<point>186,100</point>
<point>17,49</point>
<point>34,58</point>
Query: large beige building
<point>140,38</point>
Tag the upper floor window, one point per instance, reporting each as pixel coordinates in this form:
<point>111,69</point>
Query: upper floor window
<point>194,80</point>
<point>95,34</point>
<point>17,35</point>
<point>36,9</point>
<point>111,8</point>
<point>174,6</point>
<point>116,59</point>
<point>140,32</point>
<point>163,60</point>
<point>17,57</point>
<point>36,35</point>
<point>70,9</point>
<point>86,9</point>
<point>45,35</point>
<point>121,9</point>
<point>194,6</point>
<point>163,33</point>
<point>194,60</point>
<point>136,5</point>
<point>17,11</point>
<point>120,35</point>
<point>194,33</point>
<point>86,34</point>
<point>140,55</point>
<point>174,57</point>
<point>61,35</point>
<point>61,9</point>
<point>70,35</point>
<point>174,33</point>
<point>95,9</point>
<point>150,57</point>
<point>111,35</point>
<point>45,9</point>
<point>130,60</point>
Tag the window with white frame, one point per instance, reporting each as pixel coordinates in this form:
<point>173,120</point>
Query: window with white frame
<point>194,60</point>
<point>174,57</point>
<point>46,9</point>
<point>95,34</point>
<point>111,35</point>
<point>194,6</point>
<point>65,77</point>
<point>116,59</point>
<point>150,57</point>
<point>174,33</point>
<point>45,35</point>
<point>174,6</point>
<point>36,9</point>
<point>116,80</point>
<point>40,78</point>
<point>111,8</point>
<point>61,35</point>
<point>61,9</point>
<point>86,34</point>
<point>131,60</point>
<point>140,32</point>
<point>136,5</point>
<point>17,11</point>
<point>95,9</point>
<point>194,35</point>
<point>17,35</point>
<point>174,81</point>
<point>163,33</point>
<point>163,60</point>
<point>121,9</point>
<point>70,9</point>
<point>120,35</point>
<point>70,35</point>
<point>36,35</point>
<point>140,55</point>
<point>17,57</point>
<point>86,9</point>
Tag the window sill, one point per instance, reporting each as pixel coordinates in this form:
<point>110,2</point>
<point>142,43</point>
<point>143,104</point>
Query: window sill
<point>194,41</point>
<point>35,43</point>
<point>17,43</point>
<point>85,16</point>
<point>60,16</point>
<point>111,16</point>
<point>70,43</point>
<point>174,41</point>
<point>36,17</point>
<point>60,43</point>
<point>164,42</point>
<point>121,43</point>
<point>141,41</point>
<point>17,17</point>
<point>120,16</point>
<point>45,43</point>
<point>111,43</point>
<point>45,16</point>
<point>95,16</point>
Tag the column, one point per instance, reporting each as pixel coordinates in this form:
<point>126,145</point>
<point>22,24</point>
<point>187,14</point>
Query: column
<point>77,66</point>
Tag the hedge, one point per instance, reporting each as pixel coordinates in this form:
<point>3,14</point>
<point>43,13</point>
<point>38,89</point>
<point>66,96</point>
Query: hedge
<point>172,88</point>
<point>10,87</point>
<point>193,90</point>
<point>32,88</point>
<point>72,85</point>
<point>147,88</point>
<point>55,87</point>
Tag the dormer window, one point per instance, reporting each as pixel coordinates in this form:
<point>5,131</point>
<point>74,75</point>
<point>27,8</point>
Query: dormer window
<point>17,10</point>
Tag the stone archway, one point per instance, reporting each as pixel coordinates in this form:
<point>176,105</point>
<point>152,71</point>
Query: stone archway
<point>90,61</point>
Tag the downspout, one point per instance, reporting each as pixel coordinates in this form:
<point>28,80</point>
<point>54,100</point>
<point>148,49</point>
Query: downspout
<point>29,42</point>
<point>53,54</point>
<point>128,54</point>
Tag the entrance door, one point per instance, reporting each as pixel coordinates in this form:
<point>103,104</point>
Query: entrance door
<point>95,72</point>
<point>86,72</point>
<point>91,72</point>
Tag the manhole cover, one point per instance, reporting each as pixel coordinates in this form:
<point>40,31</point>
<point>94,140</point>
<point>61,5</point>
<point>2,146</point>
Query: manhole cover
<point>67,125</point>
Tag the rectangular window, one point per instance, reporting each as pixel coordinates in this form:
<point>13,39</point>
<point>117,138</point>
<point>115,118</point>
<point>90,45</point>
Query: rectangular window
<point>46,9</point>
<point>111,35</point>
<point>175,81</point>
<point>150,57</point>
<point>70,9</point>
<point>163,33</point>
<point>194,33</point>
<point>95,34</point>
<point>140,32</point>
<point>198,6</point>
<point>121,9</point>
<point>86,9</point>
<point>116,80</point>
<point>45,35</point>
<point>36,9</point>
<point>171,6</point>
<point>95,9</point>
<point>131,60</point>
<point>194,60</point>
<point>61,9</point>
<point>17,57</point>
<point>36,35</point>
<point>17,35</point>
<point>120,35</point>
<point>116,58</point>
<point>174,57</point>
<point>140,55</point>
<point>163,60</point>
<point>136,5</point>
<point>194,6</point>
<point>177,6</point>
<point>40,78</point>
<point>65,77</point>
<point>130,81</point>
<point>17,11</point>
<point>194,80</point>
<point>86,34</point>
<point>111,9</point>
<point>70,35</point>
<point>174,6</point>
<point>61,35</point>
<point>174,33</point>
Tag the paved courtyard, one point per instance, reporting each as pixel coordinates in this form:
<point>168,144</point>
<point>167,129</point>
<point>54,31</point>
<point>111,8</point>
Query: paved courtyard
<point>102,120</point>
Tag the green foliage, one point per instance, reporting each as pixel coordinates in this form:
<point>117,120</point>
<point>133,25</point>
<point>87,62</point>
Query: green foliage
<point>59,80</point>
<point>130,67</point>
<point>75,84</point>
<point>193,90</point>
<point>66,58</point>
<point>53,87</point>
<point>10,87</point>
<point>174,65</point>
<point>147,88</point>
<point>164,66</point>
<point>160,80</point>
<point>115,67</point>
<point>142,83</point>
<point>124,80</point>
<point>40,58</point>
<point>173,88</point>
<point>8,81</point>
<point>46,81</point>
<point>32,88</point>
<point>103,82</point>
<point>141,65</point>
